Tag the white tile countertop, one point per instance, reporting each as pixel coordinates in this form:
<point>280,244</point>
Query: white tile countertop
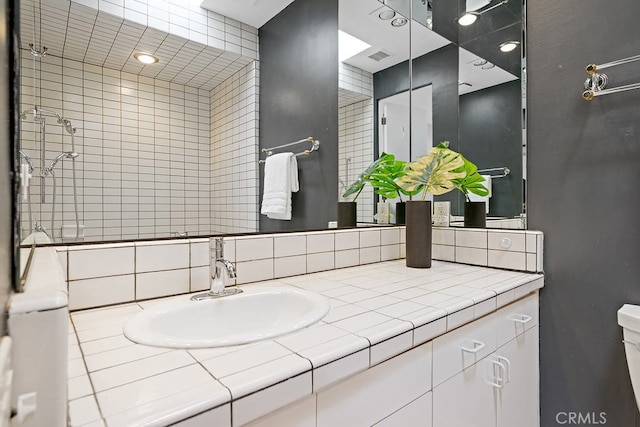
<point>377,311</point>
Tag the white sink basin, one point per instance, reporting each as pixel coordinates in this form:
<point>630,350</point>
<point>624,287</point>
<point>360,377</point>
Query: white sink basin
<point>256,314</point>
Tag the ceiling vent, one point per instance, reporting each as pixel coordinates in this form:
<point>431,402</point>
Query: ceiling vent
<point>379,55</point>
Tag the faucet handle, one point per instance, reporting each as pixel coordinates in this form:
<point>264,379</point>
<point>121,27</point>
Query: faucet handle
<point>219,247</point>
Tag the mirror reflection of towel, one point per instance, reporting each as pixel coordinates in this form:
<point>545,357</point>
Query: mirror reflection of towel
<point>485,199</point>
<point>280,180</point>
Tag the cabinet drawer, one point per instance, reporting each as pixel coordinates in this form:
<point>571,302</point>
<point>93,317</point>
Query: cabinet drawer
<point>516,318</point>
<point>463,347</point>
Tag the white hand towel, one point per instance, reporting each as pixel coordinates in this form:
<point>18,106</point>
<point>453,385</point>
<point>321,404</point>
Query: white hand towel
<point>485,199</point>
<point>280,179</point>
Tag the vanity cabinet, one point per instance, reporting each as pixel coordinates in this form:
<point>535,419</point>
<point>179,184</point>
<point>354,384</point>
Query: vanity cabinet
<point>496,377</point>
<point>483,374</point>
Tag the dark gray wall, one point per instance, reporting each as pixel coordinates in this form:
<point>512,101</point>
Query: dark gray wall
<point>584,173</point>
<point>491,136</point>
<point>439,69</point>
<point>299,98</point>
<point>8,155</point>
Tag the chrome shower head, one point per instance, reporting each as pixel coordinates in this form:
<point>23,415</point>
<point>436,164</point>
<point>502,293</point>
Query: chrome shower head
<point>63,155</point>
<point>67,125</point>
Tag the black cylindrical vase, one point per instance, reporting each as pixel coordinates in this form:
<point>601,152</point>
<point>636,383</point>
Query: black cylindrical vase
<point>418,234</point>
<point>401,213</point>
<point>475,215</point>
<point>346,214</point>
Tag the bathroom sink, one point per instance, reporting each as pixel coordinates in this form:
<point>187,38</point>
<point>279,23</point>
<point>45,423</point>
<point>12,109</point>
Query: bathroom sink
<point>256,314</point>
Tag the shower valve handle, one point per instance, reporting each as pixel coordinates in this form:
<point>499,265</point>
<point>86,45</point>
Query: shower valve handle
<point>25,177</point>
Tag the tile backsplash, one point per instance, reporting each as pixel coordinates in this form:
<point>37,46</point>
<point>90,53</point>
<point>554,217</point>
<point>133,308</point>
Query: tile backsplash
<point>106,274</point>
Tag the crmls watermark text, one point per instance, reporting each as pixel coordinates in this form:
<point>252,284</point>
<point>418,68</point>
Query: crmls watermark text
<point>581,418</point>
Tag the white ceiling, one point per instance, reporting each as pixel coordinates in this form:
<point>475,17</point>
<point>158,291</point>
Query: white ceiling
<point>477,78</point>
<point>252,12</point>
<point>360,19</point>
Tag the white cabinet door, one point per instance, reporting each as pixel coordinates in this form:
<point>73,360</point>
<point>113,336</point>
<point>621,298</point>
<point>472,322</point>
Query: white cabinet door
<point>416,414</point>
<point>466,399</point>
<point>517,401</point>
<point>372,395</point>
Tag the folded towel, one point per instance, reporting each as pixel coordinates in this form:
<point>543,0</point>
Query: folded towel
<point>485,199</point>
<point>280,180</point>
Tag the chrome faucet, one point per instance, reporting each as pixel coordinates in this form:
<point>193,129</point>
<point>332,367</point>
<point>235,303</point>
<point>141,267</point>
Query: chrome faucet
<point>217,266</point>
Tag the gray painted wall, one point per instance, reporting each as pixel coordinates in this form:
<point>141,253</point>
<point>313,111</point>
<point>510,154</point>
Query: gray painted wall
<point>491,136</point>
<point>299,98</point>
<point>8,167</point>
<point>584,174</point>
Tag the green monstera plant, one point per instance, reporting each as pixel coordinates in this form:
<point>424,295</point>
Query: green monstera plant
<point>472,181</point>
<point>440,171</point>
<point>383,178</point>
<point>358,185</point>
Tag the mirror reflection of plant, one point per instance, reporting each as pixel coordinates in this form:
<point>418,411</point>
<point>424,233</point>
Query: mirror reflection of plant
<point>472,181</point>
<point>440,171</point>
<point>384,176</point>
<point>358,185</point>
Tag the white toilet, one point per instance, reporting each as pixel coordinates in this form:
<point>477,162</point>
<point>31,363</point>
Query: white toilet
<point>629,319</point>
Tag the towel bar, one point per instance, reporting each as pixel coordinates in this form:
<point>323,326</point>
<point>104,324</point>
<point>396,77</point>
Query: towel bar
<point>597,82</point>
<point>505,171</point>
<point>315,146</point>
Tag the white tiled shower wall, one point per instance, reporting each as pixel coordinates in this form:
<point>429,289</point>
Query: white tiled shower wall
<point>234,153</point>
<point>145,143</point>
<point>144,148</point>
<point>355,133</point>
<point>355,151</point>
<point>106,274</point>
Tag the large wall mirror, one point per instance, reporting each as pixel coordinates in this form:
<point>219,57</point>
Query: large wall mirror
<point>122,150</point>
<point>464,85</point>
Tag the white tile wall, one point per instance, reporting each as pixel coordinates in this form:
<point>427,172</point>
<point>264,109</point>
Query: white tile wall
<point>144,132</point>
<point>143,169</point>
<point>180,266</point>
<point>234,153</point>
<point>355,151</point>
<point>354,83</point>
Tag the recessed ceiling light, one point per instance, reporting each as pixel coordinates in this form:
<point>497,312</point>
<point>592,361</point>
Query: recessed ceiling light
<point>468,18</point>
<point>145,58</point>
<point>509,46</point>
<point>472,16</point>
<point>399,22</point>
<point>385,15</point>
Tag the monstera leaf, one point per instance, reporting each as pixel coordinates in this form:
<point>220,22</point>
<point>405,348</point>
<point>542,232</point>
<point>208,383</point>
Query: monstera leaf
<point>363,178</point>
<point>383,178</point>
<point>434,173</point>
<point>472,181</point>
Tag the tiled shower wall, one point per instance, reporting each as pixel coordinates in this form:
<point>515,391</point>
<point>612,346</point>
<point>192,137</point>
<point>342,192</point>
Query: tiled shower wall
<point>355,151</point>
<point>234,153</point>
<point>355,133</point>
<point>144,150</point>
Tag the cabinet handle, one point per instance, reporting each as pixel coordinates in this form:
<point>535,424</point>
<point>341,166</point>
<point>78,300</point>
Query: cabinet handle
<point>498,377</point>
<point>523,319</point>
<point>507,364</point>
<point>477,346</point>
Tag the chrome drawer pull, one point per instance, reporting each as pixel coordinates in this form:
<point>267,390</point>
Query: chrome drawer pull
<point>524,319</point>
<point>477,346</point>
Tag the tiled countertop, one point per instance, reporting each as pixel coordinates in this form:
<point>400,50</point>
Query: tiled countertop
<point>377,311</point>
